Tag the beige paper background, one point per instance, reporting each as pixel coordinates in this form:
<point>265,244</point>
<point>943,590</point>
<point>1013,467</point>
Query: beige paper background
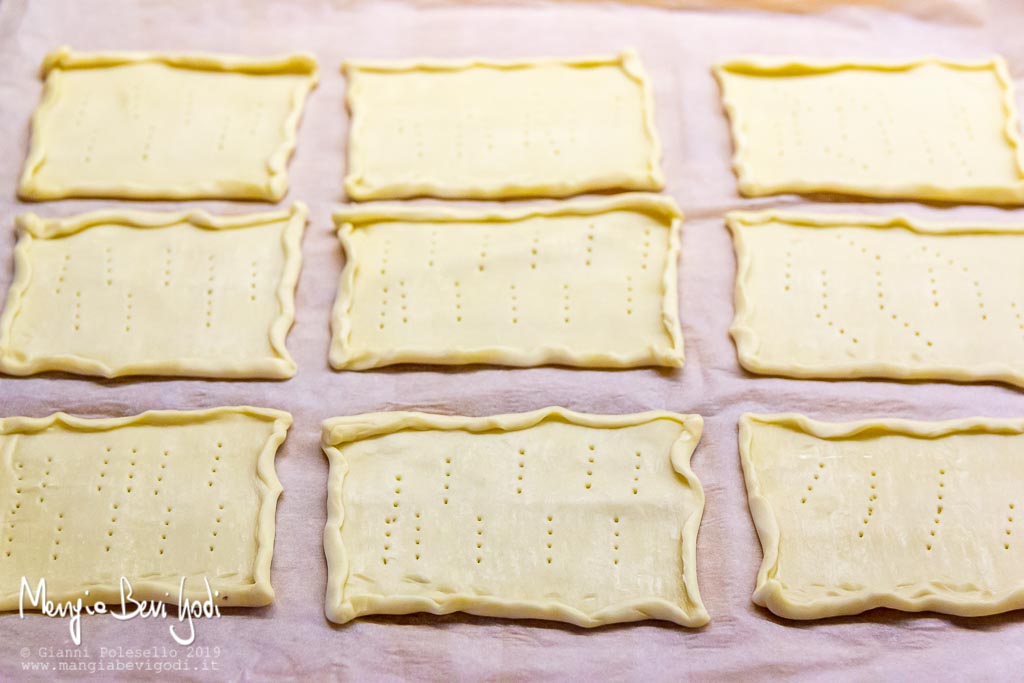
<point>292,638</point>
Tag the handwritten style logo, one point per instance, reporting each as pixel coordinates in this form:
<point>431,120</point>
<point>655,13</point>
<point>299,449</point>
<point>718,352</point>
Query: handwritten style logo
<point>130,608</point>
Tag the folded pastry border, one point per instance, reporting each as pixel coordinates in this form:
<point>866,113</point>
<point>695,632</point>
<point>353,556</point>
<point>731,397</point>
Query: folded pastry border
<point>767,66</point>
<point>771,593</point>
<point>32,227</point>
<point>65,58</point>
<point>628,60</point>
<point>746,338</point>
<point>340,430</point>
<point>345,219</point>
<point>260,592</point>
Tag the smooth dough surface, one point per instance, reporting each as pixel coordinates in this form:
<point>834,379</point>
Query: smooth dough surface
<point>120,292</point>
<point>929,129</point>
<point>590,519</point>
<point>886,513</point>
<point>165,126</point>
<point>485,129</point>
<point>153,498</point>
<point>588,283</point>
<point>861,296</point>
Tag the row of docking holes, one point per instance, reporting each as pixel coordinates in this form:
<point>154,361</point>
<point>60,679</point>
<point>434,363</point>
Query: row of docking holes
<point>513,293</point>
<point>882,296</point>
<point>536,134</point>
<point>131,487</point>
<point>391,520</point>
<point>228,123</point>
<point>884,125</point>
<point>128,304</point>
<point>521,461</point>
<point>933,532</point>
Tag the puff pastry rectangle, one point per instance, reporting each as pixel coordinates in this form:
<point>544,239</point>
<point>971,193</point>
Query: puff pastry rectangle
<point>487,129</point>
<point>120,292</point>
<point>886,513</point>
<point>589,283</point>
<point>590,519</point>
<point>861,296</point>
<point>165,126</point>
<point>153,498</point>
<point>927,129</point>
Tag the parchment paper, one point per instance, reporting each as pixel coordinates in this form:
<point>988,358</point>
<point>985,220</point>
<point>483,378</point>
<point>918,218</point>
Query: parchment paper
<point>291,638</point>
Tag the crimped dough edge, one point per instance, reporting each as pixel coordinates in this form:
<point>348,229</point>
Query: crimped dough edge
<point>357,189</point>
<point>350,218</point>
<point>768,66</point>
<point>274,189</point>
<point>747,343</point>
<point>31,227</point>
<point>340,430</point>
<point>769,592</point>
<point>257,594</point>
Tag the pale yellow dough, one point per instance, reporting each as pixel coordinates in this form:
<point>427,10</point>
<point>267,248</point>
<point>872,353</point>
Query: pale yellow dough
<point>487,129</point>
<point>862,296</point>
<point>583,282</point>
<point>153,498</point>
<point>886,513</point>
<point>590,519</point>
<point>165,126</point>
<point>121,292</point>
<point>928,129</point>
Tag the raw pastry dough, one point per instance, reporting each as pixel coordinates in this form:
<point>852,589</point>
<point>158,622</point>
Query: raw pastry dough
<point>590,283</point>
<point>862,296</point>
<point>928,129</point>
<point>486,129</point>
<point>153,497</point>
<point>886,513</point>
<point>165,126</point>
<point>590,519</point>
<point>121,292</point>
